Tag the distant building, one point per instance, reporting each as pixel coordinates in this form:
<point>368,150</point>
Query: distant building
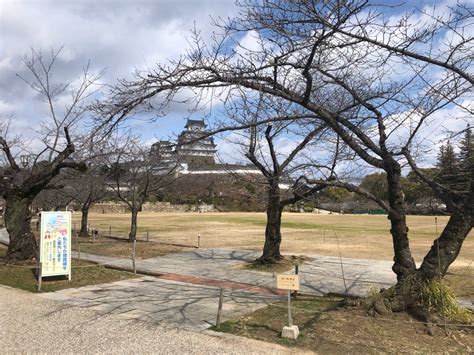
<point>195,147</point>
<point>194,153</point>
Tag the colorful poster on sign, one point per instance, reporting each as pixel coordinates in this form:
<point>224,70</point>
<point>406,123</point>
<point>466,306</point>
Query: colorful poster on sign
<point>55,244</point>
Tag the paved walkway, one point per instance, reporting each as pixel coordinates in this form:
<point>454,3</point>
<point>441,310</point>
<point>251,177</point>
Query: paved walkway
<point>321,275</point>
<point>150,299</point>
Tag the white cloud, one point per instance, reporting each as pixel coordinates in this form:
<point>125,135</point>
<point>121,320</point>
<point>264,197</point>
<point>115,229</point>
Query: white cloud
<point>118,35</point>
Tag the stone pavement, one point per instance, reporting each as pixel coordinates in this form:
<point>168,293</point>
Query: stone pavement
<point>321,275</point>
<point>174,304</point>
<point>184,292</point>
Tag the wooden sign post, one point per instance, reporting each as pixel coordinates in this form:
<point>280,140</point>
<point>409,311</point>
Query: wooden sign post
<point>289,283</point>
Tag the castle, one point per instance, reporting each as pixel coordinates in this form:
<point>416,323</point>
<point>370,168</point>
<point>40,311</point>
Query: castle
<point>194,153</point>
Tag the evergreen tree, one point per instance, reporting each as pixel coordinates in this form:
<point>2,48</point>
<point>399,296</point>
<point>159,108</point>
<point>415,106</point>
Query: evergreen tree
<point>466,161</point>
<point>448,166</point>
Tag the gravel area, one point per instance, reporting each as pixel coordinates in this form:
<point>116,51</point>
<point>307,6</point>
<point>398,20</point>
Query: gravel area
<point>32,324</point>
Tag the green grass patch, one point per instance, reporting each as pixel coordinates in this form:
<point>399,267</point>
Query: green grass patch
<point>229,326</point>
<point>82,274</point>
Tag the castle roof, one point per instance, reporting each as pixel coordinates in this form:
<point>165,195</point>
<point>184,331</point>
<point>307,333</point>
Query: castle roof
<point>190,123</point>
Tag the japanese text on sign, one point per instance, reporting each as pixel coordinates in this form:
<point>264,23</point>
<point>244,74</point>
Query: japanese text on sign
<point>55,243</point>
<point>288,282</point>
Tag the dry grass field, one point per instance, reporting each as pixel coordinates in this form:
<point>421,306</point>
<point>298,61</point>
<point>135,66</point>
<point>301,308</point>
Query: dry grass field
<point>356,236</point>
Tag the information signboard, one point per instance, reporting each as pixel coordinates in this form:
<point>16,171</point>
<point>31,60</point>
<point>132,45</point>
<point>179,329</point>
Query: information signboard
<point>55,243</point>
<point>288,282</point>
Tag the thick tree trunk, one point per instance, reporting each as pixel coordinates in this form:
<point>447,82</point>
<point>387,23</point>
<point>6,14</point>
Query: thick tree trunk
<point>448,244</point>
<point>271,248</point>
<point>133,226</point>
<point>443,252</point>
<point>404,264</point>
<point>84,219</point>
<point>17,218</point>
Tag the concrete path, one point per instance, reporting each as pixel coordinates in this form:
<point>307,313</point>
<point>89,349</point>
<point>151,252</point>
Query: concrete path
<point>171,303</point>
<point>321,275</point>
<point>184,293</point>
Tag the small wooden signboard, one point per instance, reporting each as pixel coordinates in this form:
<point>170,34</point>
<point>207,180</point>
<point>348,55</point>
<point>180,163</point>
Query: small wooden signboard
<point>288,282</point>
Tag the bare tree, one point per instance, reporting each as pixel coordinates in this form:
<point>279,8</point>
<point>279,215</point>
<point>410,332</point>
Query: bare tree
<point>390,79</point>
<point>136,173</point>
<point>28,173</point>
<point>279,165</point>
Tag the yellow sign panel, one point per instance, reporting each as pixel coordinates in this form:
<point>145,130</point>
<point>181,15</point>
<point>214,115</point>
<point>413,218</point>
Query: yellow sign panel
<point>55,244</point>
<point>288,282</point>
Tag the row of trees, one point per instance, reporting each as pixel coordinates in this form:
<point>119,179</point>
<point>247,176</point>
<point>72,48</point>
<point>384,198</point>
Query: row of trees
<point>69,162</point>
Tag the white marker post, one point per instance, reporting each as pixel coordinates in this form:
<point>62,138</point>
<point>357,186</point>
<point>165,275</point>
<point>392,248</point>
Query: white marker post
<point>289,283</point>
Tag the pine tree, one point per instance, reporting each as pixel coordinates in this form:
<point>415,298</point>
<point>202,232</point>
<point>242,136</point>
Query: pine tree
<point>466,161</point>
<point>448,166</point>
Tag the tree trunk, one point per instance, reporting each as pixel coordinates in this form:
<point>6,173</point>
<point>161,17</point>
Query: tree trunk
<point>442,254</point>
<point>403,260</point>
<point>133,227</point>
<point>84,219</point>
<point>448,244</point>
<point>17,218</point>
<point>271,248</point>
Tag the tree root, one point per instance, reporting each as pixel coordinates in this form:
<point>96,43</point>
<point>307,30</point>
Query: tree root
<point>423,315</point>
<point>266,260</point>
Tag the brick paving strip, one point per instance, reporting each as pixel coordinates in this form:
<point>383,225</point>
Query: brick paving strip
<point>199,280</point>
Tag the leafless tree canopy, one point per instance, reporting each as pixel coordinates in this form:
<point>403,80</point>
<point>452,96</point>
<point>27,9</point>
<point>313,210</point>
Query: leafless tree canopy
<point>377,82</point>
<point>28,170</point>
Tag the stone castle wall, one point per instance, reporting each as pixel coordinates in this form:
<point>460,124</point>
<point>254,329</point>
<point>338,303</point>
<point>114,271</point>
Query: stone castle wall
<point>120,207</point>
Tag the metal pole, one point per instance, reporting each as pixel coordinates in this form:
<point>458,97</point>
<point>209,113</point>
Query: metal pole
<point>133,256</point>
<point>78,248</point>
<point>110,232</point>
<point>290,319</point>
<point>39,276</point>
<point>199,241</point>
<point>219,308</point>
<point>295,293</point>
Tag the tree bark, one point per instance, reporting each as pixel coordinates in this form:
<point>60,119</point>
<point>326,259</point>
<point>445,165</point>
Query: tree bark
<point>404,264</point>
<point>271,248</point>
<point>17,218</point>
<point>133,226</point>
<point>448,244</point>
<point>442,254</point>
<point>84,219</point>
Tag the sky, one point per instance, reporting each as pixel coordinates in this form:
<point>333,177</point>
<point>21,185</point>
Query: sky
<point>116,35</point>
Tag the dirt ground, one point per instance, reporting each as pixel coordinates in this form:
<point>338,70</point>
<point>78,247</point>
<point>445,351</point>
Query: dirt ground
<point>331,329</point>
<point>355,236</point>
